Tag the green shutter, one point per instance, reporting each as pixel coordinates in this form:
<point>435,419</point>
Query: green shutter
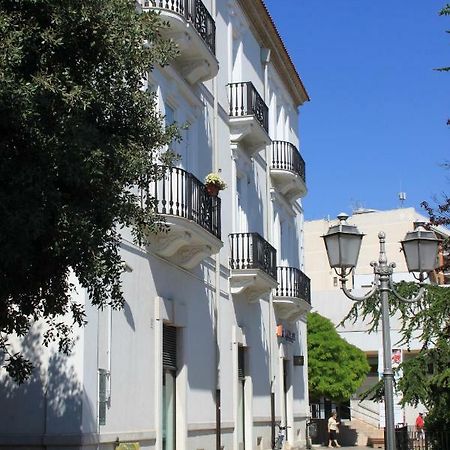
<point>169,347</point>
<point>102,395</point>
<point>241,362</point>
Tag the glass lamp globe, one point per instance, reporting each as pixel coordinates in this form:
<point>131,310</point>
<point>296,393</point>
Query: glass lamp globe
<point>343,242</point>
<point>421,250</point>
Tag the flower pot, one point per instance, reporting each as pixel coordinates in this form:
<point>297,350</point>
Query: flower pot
<point>212,190</point>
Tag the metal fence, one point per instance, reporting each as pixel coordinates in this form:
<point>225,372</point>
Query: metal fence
<point>285,156</point>
<point>408,438</point>
<point>292,282</point>
<point>195,12</point>
<point>246,101</point>
<point>179,193</point>
<point>252,251</point>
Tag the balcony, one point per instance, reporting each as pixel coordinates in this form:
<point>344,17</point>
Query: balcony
<point>192,217</point>
<point>249,117</point>
<point>292,297</point>
<point>193,29</point>
<point>287,170</point>
<point>253,265</point>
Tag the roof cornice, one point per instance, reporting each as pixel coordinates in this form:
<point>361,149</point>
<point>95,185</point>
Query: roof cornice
<point>264,27</point>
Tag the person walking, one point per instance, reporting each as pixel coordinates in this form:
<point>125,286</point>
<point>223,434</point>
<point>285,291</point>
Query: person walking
<point>333,430</point>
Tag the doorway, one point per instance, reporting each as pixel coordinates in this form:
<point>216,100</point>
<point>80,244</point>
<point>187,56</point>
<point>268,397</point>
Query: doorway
<point>240,426</point>
<point>169,356</point>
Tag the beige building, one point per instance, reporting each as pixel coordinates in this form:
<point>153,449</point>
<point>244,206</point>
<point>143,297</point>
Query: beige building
<point>395,223</point>
<point>329,300</point>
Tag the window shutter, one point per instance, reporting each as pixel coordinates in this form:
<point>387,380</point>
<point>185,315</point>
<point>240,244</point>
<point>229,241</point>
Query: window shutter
<point>169,347</point>
<point>102,395</point>
<point>241,362</point>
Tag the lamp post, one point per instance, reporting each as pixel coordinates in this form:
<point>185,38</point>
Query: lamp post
<point>343,242</point>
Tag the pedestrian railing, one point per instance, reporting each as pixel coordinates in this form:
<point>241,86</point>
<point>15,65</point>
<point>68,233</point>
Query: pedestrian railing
<point>246,101</point>
<point>409,438</point>
<point>252,251</point>
<point>194,12</point>
<point>180,193</point>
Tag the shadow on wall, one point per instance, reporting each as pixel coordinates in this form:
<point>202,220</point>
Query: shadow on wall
<point>49,402</point>
<point>129,315</point>
<point>249,317</point>
<point>255,189</point>
<point>197,340</point>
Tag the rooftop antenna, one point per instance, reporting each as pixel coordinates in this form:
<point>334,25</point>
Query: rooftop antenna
<point>356,206</point>
<point>402,198</point>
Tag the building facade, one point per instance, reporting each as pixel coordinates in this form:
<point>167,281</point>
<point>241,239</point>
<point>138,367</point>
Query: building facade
<point>209,351</point>
<point>331,302</point>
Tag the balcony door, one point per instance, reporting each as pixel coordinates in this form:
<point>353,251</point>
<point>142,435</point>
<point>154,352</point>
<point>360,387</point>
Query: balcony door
<point>241,204</point>
<point>240,425</point>
<point>284,244</point>
<point>286,385</point>
<point>169,429</point>
<point>288,243</point>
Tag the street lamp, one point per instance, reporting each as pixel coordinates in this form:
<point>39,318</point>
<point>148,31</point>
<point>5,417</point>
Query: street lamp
<point>343,242</point>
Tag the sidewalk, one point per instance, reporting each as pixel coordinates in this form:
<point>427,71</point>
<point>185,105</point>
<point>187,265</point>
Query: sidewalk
<point>343,448</point>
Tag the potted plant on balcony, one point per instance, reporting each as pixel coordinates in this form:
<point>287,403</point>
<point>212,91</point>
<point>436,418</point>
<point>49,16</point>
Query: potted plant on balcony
<point>214,184</point>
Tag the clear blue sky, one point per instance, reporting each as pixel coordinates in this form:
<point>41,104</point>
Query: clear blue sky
<point>376,123</point>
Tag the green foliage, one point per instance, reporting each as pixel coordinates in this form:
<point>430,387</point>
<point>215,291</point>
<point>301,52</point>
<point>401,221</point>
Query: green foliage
<point>336,369</point>
<point>445,11</point>
<point>440,214</point>
<point>426,377</point>
<point>79,135</point>
<point>427,380</point>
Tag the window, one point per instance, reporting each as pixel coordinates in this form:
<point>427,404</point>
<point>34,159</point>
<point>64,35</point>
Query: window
<point>169,360</point>
<point>103,395</point>
<point>241,399</point>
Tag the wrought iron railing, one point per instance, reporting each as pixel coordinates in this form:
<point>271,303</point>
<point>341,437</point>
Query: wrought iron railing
<point>252,251</point>
<point>292,282</point>
<point>285,156</point>
<point>181,194</point>
<point>195,12</point>
<point>409,438</point>
<point>245,101</point>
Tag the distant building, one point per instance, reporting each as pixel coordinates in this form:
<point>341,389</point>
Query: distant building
<point>329,301</point>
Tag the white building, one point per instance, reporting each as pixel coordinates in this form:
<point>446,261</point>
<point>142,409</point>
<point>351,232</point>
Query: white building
<point>331,302</point>
<point>209,349</point>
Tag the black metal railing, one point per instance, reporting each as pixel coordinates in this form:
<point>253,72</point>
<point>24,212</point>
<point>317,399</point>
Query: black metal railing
<point>252,251</point>
<point>181,194</point>
<point>292,282</point>
<point>195,12</point>
<point>409,438</point>
<point>245,101</point>
<point>285,156</point>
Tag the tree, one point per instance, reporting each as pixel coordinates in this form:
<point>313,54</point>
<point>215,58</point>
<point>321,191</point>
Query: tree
<point>440,214</point>
<point>336,369</point>
<point>445,11</point>
<point>434,387</point>
<point>426,377</point>
<point>79,137</point>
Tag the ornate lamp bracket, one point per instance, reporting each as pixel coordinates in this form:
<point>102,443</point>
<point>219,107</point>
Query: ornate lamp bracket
<point>382,278</point>
<point>415,299</point>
